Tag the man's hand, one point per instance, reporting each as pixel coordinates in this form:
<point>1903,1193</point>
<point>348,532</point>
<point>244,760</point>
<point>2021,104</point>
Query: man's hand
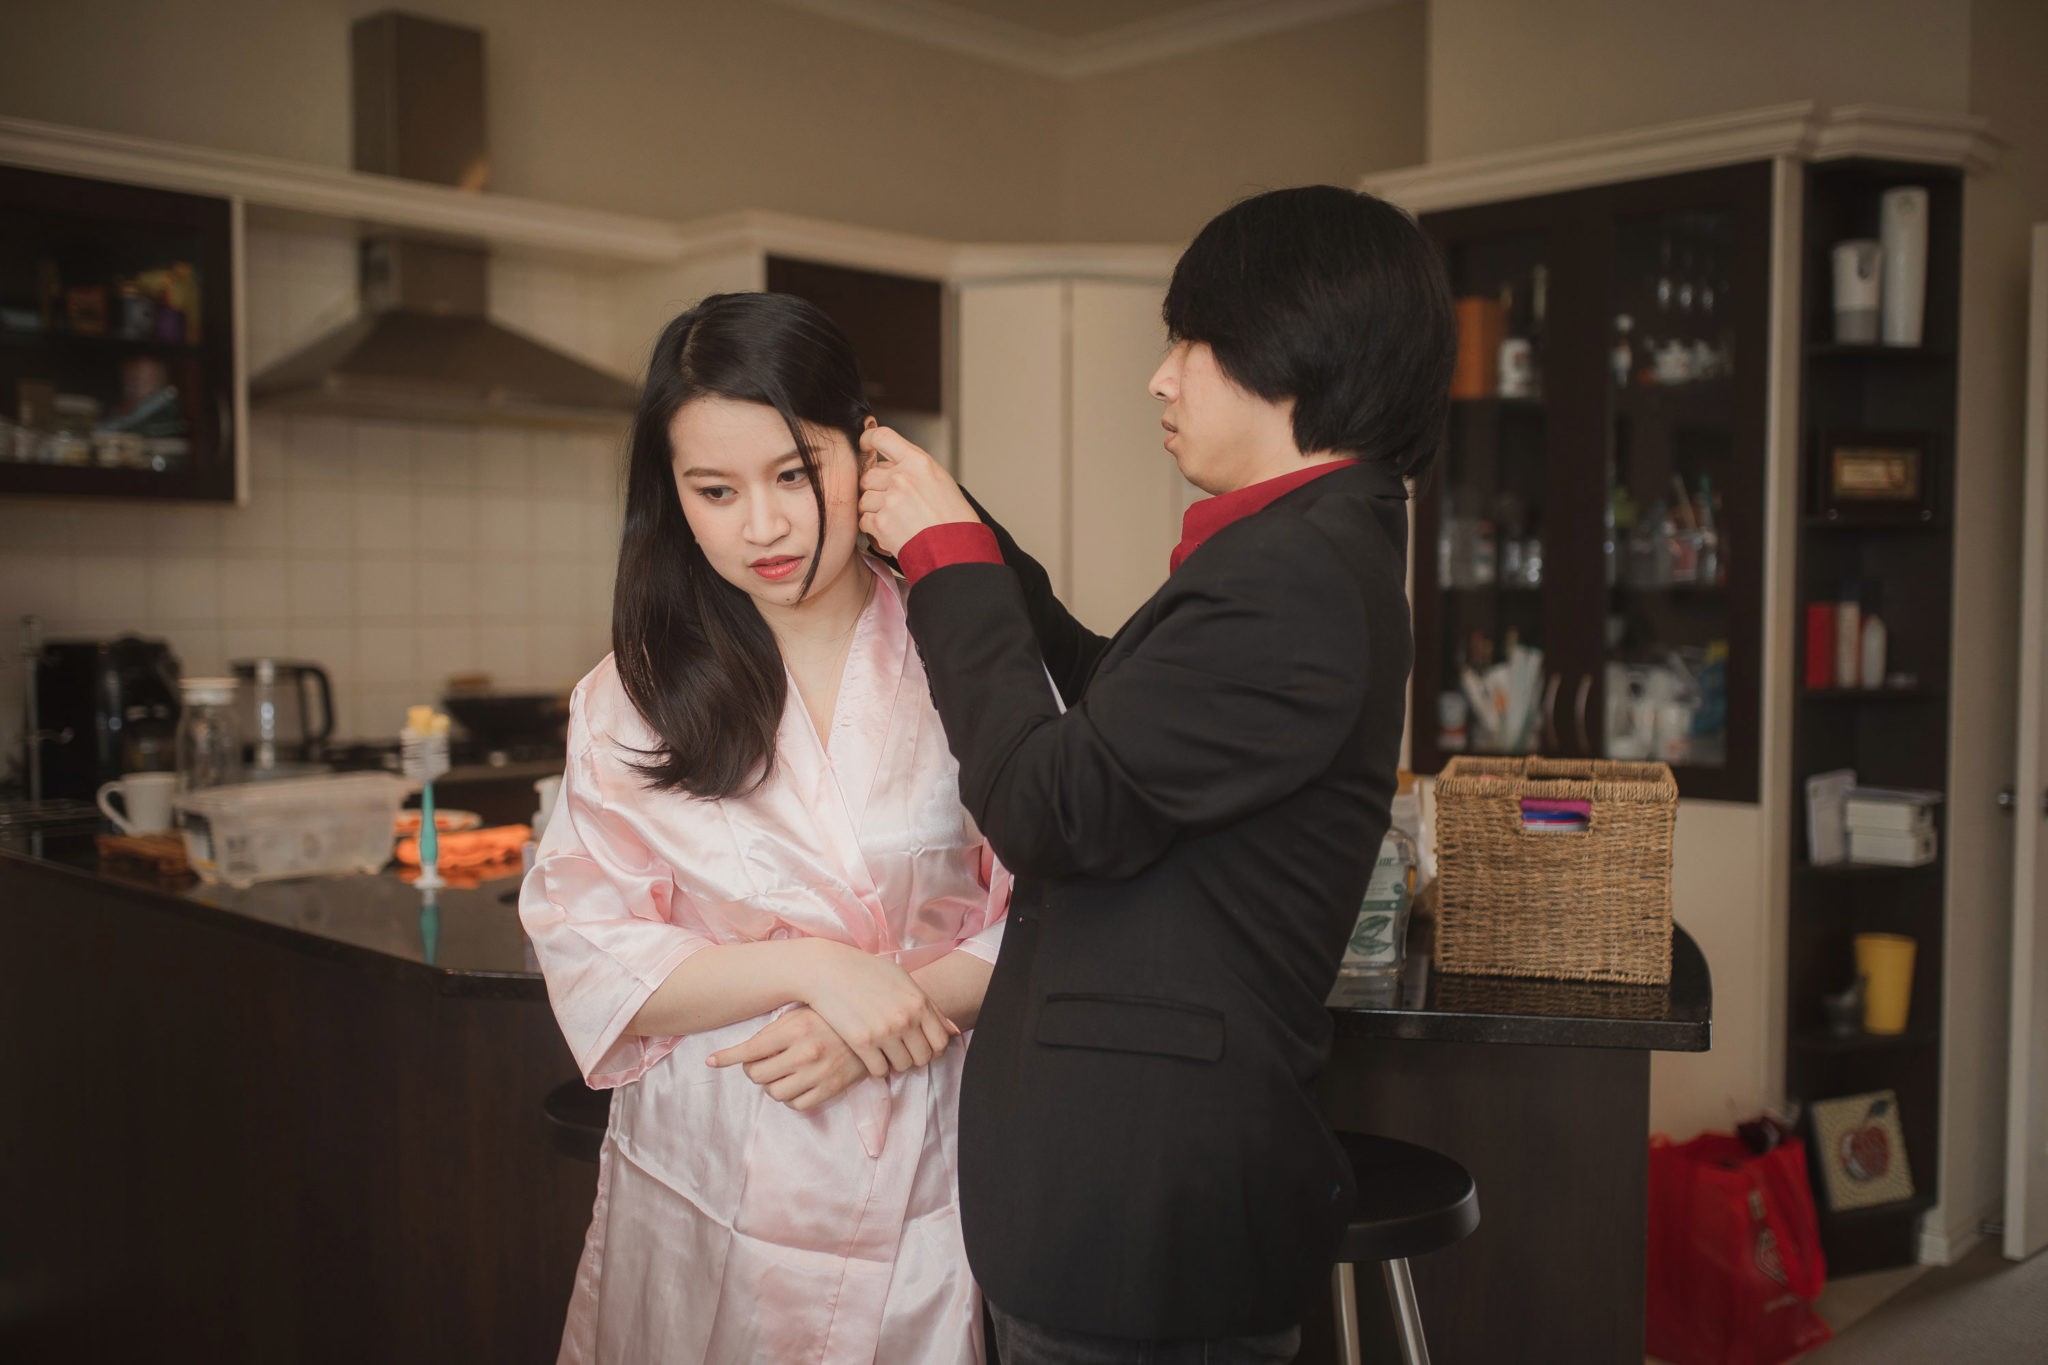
<point>905,491</point>
<point>798,1060</point>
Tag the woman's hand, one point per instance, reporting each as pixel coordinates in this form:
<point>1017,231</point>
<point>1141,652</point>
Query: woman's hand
<point>798,1060</point>
<point>905,491</point>
<point>875,1006</point>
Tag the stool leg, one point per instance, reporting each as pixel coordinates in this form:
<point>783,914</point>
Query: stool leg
<point>1407,1313</point>
<point>1344,1290</point>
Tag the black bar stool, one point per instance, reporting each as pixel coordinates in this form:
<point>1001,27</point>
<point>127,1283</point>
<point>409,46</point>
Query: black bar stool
<point>1411,1201</point>
<point>577,1116</point>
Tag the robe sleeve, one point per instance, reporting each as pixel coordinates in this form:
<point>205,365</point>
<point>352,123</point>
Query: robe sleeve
<point>607,921</point>
<point>987,941</point>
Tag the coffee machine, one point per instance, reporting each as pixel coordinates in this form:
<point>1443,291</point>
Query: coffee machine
<point>104,708</point>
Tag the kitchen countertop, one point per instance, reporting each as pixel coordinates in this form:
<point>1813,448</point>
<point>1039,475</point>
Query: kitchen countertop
<point>479,949</point>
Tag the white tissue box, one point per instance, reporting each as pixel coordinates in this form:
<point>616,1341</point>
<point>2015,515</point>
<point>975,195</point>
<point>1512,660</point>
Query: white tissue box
<point>1914,849</point>
<point>1885,810</point>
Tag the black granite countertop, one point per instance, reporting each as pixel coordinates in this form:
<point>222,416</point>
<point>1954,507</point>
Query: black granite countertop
<point>1423,1004</point>
<point>473,945</point>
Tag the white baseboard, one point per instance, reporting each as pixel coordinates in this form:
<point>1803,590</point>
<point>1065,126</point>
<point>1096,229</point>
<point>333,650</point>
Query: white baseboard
<point>1945,1244</point>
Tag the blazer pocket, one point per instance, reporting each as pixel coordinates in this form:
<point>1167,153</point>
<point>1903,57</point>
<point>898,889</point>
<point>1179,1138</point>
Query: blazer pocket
<point>1132,1023</point>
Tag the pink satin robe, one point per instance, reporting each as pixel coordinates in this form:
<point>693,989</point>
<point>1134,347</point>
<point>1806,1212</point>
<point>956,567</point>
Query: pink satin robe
<point>728,1227</point>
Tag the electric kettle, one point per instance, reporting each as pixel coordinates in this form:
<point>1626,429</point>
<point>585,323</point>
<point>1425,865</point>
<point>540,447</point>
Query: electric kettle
<point>287,716</point>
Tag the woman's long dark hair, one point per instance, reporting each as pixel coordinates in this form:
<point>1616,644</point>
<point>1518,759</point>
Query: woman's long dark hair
<point>696,658</point>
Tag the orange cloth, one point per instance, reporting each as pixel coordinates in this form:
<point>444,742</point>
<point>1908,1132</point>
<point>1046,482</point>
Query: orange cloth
<point>471,848</point>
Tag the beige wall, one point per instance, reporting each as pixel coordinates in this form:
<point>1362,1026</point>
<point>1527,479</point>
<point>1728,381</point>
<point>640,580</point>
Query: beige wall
<point>1154,151</point>
<point>674,108</point>
<point>2008,54</point>
<point>1508,73</point>
<point>684,108</point>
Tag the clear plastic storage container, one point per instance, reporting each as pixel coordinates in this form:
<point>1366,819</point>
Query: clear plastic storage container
<point>291,827</point>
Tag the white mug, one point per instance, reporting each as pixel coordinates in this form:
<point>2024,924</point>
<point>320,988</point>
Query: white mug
<point>146,802</point>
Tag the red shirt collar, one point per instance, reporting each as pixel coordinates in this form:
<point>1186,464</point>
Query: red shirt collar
<point>1211,515</point>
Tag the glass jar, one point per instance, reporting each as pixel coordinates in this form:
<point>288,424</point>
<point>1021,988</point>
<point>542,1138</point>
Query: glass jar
<point>209,742</point>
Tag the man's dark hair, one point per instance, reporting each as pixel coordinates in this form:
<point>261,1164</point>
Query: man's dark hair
<point>1336,300</point>
<point>695,657</point>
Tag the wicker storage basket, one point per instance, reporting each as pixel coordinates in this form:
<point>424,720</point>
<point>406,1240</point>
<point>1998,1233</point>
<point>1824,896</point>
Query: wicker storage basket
<point>1591,905</point>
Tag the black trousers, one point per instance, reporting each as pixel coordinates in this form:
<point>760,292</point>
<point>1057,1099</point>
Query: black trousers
<point>1017,1341</point>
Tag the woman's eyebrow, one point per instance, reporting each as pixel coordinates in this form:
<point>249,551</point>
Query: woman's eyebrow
<point>702,472</point>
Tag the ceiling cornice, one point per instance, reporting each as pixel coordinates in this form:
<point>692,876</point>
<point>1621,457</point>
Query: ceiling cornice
<point>1803,130</point>
<point>1199,27</point>
<point>591,238</point>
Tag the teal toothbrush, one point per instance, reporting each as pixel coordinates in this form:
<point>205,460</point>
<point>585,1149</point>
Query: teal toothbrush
<point>424,748</point>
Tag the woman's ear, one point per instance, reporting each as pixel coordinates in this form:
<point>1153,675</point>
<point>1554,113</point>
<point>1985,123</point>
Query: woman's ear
<point>869,423</point>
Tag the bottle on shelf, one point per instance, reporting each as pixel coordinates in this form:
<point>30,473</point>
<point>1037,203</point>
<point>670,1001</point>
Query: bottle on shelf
<point>1709,571</point>
<point>1871,664</point>
<point>1848,636</point>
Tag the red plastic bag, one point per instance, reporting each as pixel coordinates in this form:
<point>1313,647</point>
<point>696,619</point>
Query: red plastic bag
<point>1735,1256</point>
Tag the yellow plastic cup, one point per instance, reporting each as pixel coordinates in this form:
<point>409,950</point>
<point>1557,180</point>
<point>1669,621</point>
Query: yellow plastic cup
<point>1886,963</point>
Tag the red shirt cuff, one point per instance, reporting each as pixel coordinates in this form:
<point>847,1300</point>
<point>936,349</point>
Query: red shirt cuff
<point>950,542</point>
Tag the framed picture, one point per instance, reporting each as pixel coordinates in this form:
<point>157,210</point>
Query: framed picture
<point>1861,1150</point>
<point>1865,476</point>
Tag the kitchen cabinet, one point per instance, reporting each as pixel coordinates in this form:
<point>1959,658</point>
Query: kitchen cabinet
<point>117,340</point>
<point>893,321</point>
<point>1594,533</point>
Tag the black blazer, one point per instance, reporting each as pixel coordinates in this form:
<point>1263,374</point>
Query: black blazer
<point>1140,1153</point>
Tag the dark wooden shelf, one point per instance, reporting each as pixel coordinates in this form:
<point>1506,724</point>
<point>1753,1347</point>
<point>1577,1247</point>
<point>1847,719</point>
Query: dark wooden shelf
<point>1832,350</point>
<point>1871,694</point>
<point>74,341</point>
<point>1874,527</point>
<point>1876,388</point>
<point>1921,1201</point>
<point>1494,401</point>
<point>1821,1042</point>
<point>1670,589</point>
<point>1874,870</point>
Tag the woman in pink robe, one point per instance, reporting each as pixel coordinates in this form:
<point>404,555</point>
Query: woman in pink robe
<point>764,962</point>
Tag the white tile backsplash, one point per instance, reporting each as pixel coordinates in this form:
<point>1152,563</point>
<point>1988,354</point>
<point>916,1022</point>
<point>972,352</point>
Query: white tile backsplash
<point>322,590</point>
<point>393,554</point>
<point>185,529</point>
<point>319,450</point>
<point>319,517</point>
<point>444,524</point>
<point>184,590</point>
<point>114,588</point>
<point>383,521</point>
<point>504,460</point>
<point>253,591</point>
<point>504,524</point>
<point>383,455</point>
<point>37,584</point>
<point>387,589</point>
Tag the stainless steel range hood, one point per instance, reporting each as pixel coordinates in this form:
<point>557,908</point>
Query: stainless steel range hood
<point>424,347</point>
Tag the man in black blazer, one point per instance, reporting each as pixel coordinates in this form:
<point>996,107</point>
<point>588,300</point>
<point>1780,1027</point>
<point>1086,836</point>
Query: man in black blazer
<point>1141,1157</point>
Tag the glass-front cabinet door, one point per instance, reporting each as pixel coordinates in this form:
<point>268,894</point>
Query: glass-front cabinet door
<point>116,340</point>
<point>1486,634</point>
<point>1588,557</point>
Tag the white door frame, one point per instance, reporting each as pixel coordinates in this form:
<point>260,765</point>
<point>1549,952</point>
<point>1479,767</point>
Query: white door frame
<point>2026,1129</point>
